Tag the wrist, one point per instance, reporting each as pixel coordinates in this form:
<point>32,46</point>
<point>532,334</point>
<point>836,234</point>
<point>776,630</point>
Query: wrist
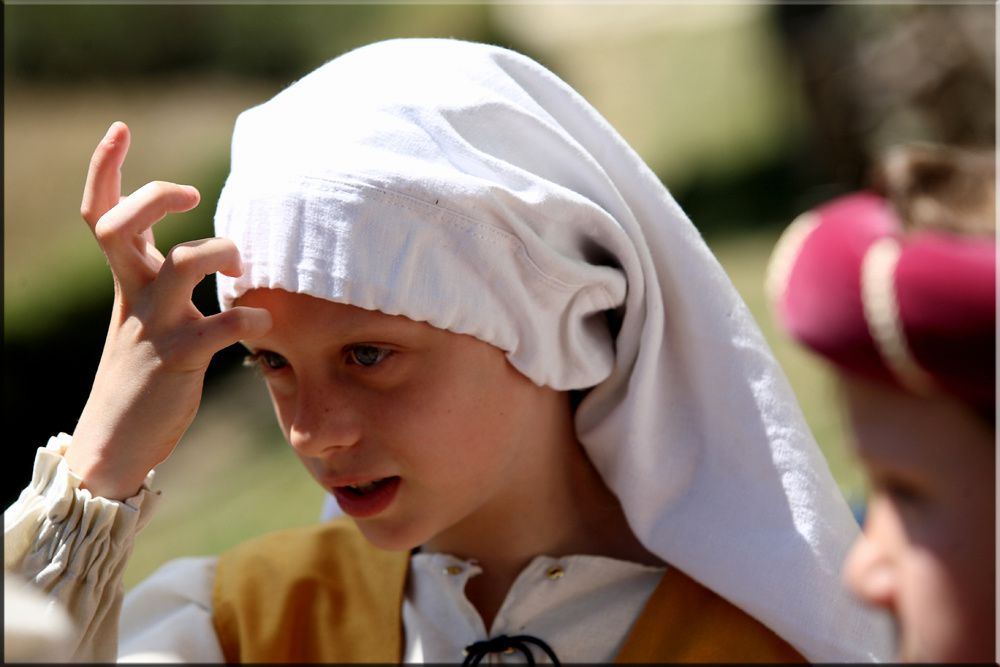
<point>104,478</point>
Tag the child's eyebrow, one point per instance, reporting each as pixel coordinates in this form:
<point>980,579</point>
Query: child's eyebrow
<point>360,327</point>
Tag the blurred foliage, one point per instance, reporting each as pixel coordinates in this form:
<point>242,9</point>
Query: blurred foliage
<point>273,41</point>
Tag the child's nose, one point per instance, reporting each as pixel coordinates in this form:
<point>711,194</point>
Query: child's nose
<point>869,572</point>
<point>324,423</point>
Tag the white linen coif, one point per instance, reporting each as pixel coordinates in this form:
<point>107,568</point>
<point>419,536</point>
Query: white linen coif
<point>467,186</point>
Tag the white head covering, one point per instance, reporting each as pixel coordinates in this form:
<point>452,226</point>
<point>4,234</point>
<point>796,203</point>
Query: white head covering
<point>466,186</point>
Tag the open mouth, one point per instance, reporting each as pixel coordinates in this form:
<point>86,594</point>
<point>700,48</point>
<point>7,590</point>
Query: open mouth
<point>367,498</point>
<point>361,490</point>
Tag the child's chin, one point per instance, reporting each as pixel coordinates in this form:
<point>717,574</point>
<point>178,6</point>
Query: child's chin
<point>388,537</point>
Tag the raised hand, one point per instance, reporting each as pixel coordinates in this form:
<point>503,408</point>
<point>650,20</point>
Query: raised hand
<point>149,382</point>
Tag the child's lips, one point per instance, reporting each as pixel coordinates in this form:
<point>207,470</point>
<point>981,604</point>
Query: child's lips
<point>362,488</point>
<point>361,499</point>
<point>332,481</point>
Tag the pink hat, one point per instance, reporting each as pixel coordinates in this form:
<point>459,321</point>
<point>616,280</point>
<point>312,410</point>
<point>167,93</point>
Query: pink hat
<point>914,309</point>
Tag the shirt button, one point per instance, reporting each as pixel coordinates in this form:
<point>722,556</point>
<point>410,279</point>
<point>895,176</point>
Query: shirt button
<point>555,572</point>
<point>453,570</point>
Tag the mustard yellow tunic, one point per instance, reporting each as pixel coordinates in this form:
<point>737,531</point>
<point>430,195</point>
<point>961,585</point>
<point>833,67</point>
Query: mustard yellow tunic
<point>325,594</point>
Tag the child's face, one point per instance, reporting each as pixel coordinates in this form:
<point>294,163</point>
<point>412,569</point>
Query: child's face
<point>928,550</point>
<point>452,436</point>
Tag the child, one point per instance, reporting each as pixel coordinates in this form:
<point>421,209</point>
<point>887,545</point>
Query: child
<point>897,289</point>
<point>490,332</point>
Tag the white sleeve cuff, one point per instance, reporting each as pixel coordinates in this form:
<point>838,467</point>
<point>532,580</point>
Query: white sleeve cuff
<point>57,530</point>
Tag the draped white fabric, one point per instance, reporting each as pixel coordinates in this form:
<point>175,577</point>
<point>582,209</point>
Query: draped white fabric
<point>467,186</point>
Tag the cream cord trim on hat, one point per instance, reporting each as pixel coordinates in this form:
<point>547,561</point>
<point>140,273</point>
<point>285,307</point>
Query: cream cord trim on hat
<point>878,296</point>
<point>786,252</point>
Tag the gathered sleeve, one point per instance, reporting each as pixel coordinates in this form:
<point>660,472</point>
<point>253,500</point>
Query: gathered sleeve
<point>73,547</point>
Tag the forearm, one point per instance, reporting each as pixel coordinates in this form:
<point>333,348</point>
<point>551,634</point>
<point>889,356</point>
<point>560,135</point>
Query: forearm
<point>71,532</point>
<point>73,547</point>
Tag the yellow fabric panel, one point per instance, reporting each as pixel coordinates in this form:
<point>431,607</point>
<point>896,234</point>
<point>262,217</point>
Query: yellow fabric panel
<point>685,622</point>
<point>310,595</point>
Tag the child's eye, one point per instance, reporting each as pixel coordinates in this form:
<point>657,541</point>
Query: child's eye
<point>267,361</point>
<point>367,355</point>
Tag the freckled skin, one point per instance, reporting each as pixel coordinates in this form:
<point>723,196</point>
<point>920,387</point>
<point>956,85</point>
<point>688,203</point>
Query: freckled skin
<point>928,553</point>
<point>474,441</point>
<point>489,465</point>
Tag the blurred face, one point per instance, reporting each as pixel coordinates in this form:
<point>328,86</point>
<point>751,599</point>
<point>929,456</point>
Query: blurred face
<point>420,433</point>
<point>928,551</point>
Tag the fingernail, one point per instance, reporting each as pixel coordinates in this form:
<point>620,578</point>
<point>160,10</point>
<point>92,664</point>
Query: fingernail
<point>110,129</point>
<point>261,321</point>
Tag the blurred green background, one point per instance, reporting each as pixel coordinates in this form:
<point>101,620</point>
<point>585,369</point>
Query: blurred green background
<point>749,113</point>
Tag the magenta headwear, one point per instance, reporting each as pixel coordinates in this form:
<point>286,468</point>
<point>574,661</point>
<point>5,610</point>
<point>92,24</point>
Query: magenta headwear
<point>914,309</point>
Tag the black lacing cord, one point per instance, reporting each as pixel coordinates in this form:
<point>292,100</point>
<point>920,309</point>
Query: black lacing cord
<point>475,652</point>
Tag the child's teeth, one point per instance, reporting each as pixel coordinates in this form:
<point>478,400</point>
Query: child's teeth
<point>367,486</point>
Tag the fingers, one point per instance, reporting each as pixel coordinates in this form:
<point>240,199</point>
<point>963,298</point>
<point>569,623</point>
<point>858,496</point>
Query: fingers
<point>123,232</point>
<point>123,228</point>
<point>186,265</point>
<point>104,177</point>
<point>192,346</point>
<point>123,225</point>
<point>223,329</point>
<point>135,214</point>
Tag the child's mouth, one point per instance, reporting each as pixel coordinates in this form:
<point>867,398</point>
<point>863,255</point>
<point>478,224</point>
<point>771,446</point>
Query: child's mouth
<point>367,498</point>
<point>366,487</point>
